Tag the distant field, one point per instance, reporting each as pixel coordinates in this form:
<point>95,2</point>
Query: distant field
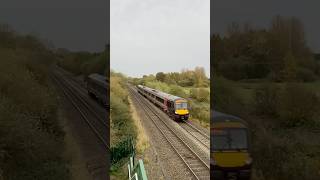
<point>246,90</point>
<point>314,86</point>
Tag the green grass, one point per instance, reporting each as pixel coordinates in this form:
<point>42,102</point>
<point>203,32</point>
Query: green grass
<point>315,86</point>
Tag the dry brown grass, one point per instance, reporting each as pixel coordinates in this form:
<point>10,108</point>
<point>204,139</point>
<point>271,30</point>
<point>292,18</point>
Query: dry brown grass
<point>77,163</point>
<point>142,138</point>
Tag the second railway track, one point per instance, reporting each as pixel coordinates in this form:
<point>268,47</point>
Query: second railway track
<point>195,164</point>
<point>96,123</point>
<point>200,136</point>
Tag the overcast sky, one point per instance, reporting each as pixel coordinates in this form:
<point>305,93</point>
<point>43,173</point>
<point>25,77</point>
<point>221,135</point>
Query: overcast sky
<point>73,24</point>
<point>260,13</point>
<point>149,36</point>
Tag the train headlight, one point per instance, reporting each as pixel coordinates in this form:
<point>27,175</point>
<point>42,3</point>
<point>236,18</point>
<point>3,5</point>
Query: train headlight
<point>248,161</point>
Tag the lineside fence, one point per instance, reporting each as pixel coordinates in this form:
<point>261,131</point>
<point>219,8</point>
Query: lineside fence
<point>123,149</point>
<point>126,148</point>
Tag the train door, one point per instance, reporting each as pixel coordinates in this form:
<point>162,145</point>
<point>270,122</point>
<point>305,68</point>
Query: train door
<point>165,105</point>
<point>170,108</point>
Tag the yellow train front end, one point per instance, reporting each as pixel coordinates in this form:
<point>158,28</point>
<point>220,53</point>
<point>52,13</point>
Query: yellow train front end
<point>230,154</point>
<point>181,110</point>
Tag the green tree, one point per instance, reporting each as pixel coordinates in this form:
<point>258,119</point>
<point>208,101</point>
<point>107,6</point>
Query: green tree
<point>160,76</point>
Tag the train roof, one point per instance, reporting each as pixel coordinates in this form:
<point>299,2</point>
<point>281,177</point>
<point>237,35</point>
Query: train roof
<point>219,117</point>
<point>161,94</point>
<point>102,80</point>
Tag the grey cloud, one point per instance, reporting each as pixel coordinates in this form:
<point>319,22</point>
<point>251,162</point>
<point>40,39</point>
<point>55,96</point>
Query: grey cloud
<point>148,36</point>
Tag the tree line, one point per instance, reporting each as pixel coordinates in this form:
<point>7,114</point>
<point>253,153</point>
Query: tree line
<point>278,53</point>
<point>185,78</point>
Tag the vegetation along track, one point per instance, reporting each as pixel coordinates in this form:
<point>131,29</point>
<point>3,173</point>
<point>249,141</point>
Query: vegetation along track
<point>96,123</point>
<point>198,168</point>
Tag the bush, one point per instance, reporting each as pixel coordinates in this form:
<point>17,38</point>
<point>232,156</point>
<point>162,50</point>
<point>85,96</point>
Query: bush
<point>298,106</point>
<point>158,85</point>
<point>122,125</point>
<point>31,139</point>
<point>225,97</point>
<point>83,63</point>
<point>306,75</point>
<point>178,91</point>
<point>200,94</point>
<point>282,158</point>
<point>266,100</point>
<point>200,111</point>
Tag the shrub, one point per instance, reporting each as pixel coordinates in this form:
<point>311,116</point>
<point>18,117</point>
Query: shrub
<point>266,100</point>
<point>31,139</point>
<point>298,106</point>
<point>178,91</point>
<point>83,63</point>
<point>283,157</point>
<point>158,85</point>
<point>200,111</point>
<point>306,75</point>
<point>200,94</point>
<point>122,125</point>
<point>225,97</point>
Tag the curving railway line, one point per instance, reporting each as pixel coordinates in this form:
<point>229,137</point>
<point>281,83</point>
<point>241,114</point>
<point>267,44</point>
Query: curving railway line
<point>196,166</point>
<point>93,119</point>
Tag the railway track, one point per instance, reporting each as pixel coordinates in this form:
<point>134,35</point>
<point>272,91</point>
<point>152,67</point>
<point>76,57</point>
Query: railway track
<point>197,167</point>
<point>81,87</point>
<point>94,121</point>
<point>100,115</point>
<point>199,135</point>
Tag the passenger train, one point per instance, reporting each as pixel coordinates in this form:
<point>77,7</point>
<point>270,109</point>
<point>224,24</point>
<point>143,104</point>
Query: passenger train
<point>97,87</point>
<point>230,147</point>
<point>176,107</point>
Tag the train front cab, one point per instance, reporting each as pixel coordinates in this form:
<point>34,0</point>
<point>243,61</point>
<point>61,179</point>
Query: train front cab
<point>181,111</point>
<point>230,150</point>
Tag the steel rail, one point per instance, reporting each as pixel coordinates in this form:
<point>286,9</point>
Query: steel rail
<point>82,113</point>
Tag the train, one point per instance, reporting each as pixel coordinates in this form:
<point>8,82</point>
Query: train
<point>176,107</point>
<point>230,147</point>
<point>97,87</point>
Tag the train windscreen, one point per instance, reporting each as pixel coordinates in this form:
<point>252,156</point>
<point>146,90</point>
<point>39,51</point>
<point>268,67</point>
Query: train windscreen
<point>229,139</point>
<point>181,105</point>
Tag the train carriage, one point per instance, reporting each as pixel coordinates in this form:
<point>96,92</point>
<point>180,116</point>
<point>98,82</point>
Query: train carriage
<point>176,107</point>
<point>230,147</point>
<point>97,87</point>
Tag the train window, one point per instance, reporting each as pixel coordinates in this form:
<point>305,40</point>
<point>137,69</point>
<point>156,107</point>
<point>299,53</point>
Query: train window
<point>181,105</point>
<point>229,139</point>
<point>159,99</point>
<point>239,137</point>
